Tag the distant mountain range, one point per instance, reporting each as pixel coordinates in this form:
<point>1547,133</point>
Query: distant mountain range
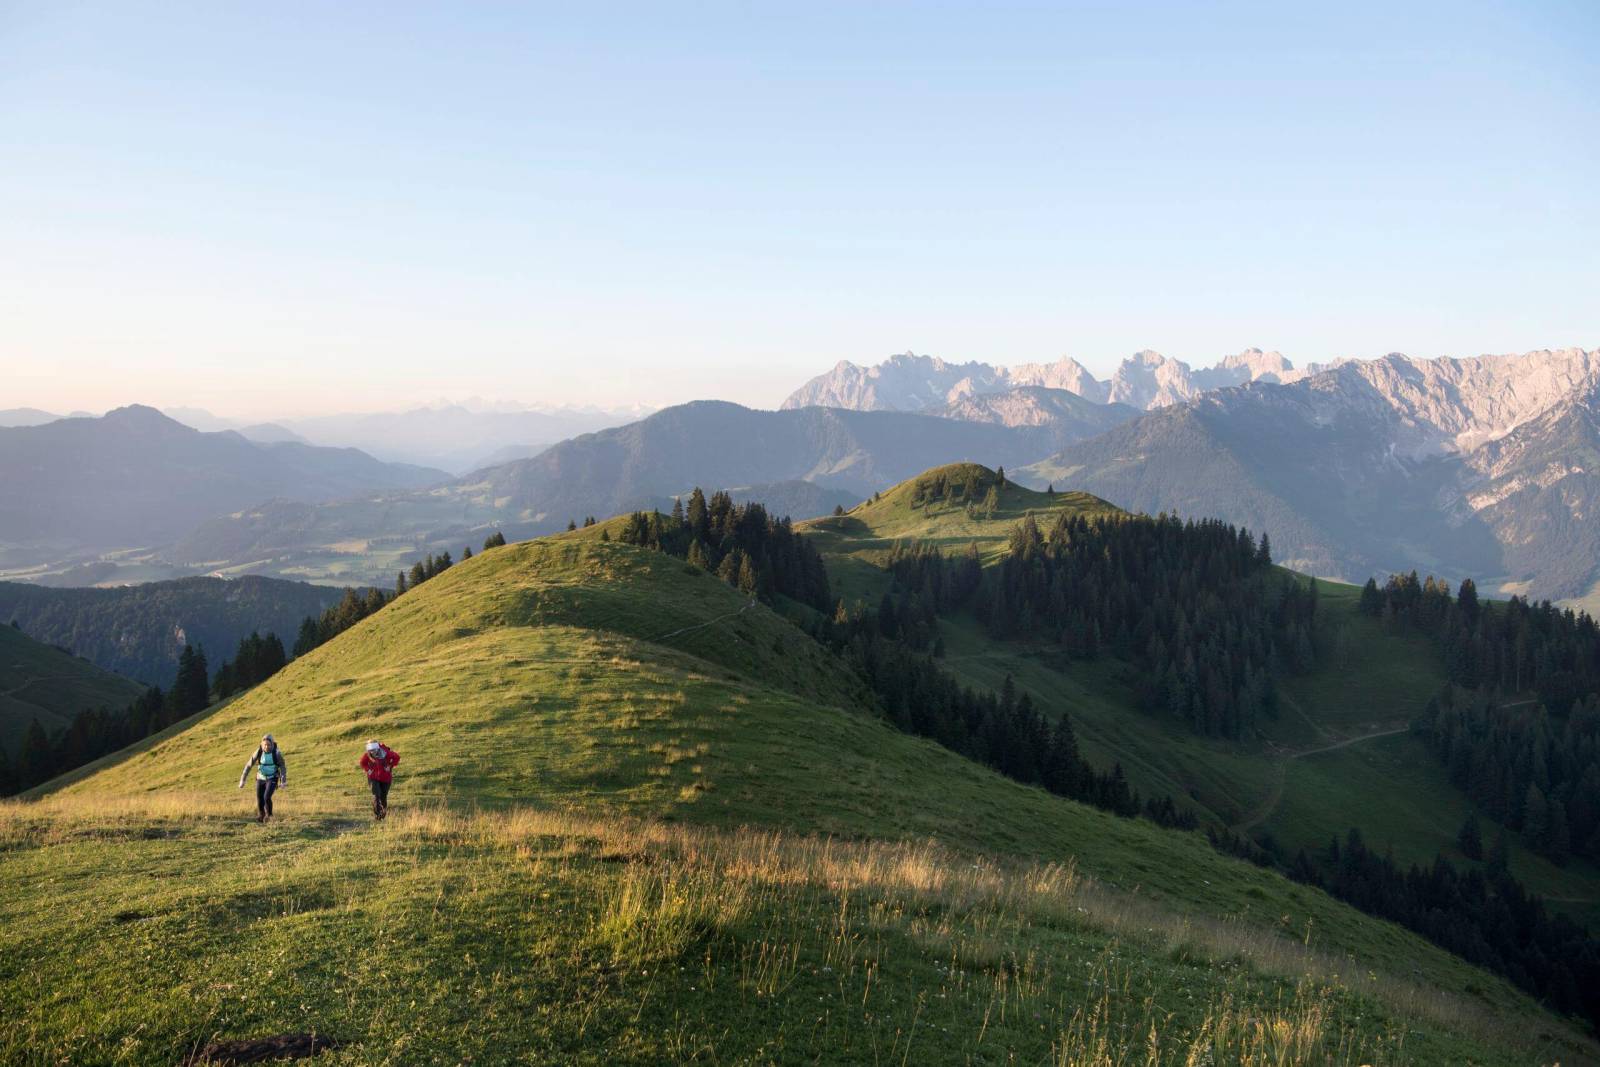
<point>135,477</point>
<point>1483,467</point>
<point>454,437</point>
<point>801,463</point>
<point>1145,380</point>
<point>1486,467</point>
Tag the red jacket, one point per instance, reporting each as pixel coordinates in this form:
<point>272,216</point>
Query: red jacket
<point>382,768</point>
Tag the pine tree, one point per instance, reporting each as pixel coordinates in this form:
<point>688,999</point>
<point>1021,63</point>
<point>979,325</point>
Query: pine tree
<point>1499,853</point>
<point>308,638</point>
<point>494,540</point>
<point>1467,601</point>
<point>1470,839</point>
<point>1264,551</point>
<point>191,690</point>
<point>1535,816</point>
<point>400,583</point>
<point>38,759</point>
<point>466,553</point>
<point>572,524</point>
<point>1558,838</point>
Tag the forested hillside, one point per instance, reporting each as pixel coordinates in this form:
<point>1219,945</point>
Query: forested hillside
<point>139,631</point>
<point>45,685</point>
<point>1173,627</point>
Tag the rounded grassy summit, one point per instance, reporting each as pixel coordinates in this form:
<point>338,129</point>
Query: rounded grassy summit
<point>644,816</point>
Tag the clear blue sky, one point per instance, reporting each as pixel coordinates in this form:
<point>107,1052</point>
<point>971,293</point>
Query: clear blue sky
<point>272,208</point>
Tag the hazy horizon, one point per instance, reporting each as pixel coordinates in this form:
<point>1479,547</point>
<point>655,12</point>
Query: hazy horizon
<point>479,403</point>
<point>270,213</point>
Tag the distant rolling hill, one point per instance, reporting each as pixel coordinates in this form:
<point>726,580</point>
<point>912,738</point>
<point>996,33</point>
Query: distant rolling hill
<point>136,478</point>
<point>38,681</point>
<point>801,462</point>
<point>139,630</point>
<point>667,817</point>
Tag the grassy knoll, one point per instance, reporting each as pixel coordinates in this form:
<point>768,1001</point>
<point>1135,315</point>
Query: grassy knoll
<point>857,543</point>
<point>40,682</point>
<point>639,820</point>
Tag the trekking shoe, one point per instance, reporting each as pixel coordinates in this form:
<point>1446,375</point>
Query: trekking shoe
<point>260,817</point>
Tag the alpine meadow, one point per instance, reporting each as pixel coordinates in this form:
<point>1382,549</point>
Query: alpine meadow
<point>483,579</point>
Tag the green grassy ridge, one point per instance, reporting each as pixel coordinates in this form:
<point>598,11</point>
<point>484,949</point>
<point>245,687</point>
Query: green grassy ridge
<point>485,683</point>
<point>38,681</point>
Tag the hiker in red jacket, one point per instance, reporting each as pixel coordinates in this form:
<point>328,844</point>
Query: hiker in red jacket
<point>379,762</point>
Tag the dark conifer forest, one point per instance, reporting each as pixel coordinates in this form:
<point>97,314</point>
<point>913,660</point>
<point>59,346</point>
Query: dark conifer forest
<point>1196,606</point>
<point>1518,728</point>
<point>757,554</point>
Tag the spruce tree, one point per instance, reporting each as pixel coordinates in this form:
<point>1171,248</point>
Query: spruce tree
<point>1535,816</point>
<point>191,690</point>
<point>308,638</point>
<point>1470,839</point>
<point>38,759</point>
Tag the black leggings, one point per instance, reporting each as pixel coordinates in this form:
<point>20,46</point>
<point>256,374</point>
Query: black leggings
<point>264,791</point>
<point>380,793</point>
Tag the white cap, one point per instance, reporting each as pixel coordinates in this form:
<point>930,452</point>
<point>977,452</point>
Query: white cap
<point>373,746</point>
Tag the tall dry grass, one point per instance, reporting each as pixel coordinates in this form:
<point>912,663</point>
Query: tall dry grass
<point>678,885</point>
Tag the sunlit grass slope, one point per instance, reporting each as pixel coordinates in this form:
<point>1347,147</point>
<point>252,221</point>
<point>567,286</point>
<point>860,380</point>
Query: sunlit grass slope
<point>446,937</point>
<point>40,682</point>
<point>605,849</point>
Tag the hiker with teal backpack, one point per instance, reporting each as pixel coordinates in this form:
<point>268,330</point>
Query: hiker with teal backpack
<point>271,774</point>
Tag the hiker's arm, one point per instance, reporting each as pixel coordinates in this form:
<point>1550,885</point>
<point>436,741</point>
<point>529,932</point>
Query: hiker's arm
<point>283,768</point>
<point>254,756</point>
